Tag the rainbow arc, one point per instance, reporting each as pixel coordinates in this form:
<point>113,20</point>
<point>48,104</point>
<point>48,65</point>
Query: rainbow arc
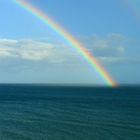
<point>69,39</point>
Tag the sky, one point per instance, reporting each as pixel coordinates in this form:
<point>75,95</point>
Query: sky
<point>31,52</point>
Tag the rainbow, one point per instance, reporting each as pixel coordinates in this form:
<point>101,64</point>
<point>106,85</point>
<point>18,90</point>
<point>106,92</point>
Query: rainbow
<point>69,39</point>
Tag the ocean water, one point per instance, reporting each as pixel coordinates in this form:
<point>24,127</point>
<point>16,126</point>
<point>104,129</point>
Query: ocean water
<point>41,112</point>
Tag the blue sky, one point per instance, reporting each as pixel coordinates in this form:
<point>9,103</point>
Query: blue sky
<point>30,52</point>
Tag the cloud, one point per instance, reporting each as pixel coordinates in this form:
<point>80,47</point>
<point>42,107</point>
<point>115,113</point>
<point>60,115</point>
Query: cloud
<point>117,37</point>
<point>33,50</point>
<point>108,46</point>
<point>7,42</point>
<point>113,48</point>
<point>110,49</point>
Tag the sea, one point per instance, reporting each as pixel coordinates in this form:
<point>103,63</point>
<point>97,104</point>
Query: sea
<point>57,112</point>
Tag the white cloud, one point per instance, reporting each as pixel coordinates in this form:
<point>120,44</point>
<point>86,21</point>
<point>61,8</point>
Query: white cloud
<point>117,37</point>
<point>113,48</point>
<point>4,53</point>
<point>109,50</point>
<point>111,45</point>
<point>7,42</point>
<point>110,60</point>
<point>28,49</point>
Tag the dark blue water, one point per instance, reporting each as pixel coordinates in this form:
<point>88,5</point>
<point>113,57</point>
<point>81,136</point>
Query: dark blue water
<point>35,112</point>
